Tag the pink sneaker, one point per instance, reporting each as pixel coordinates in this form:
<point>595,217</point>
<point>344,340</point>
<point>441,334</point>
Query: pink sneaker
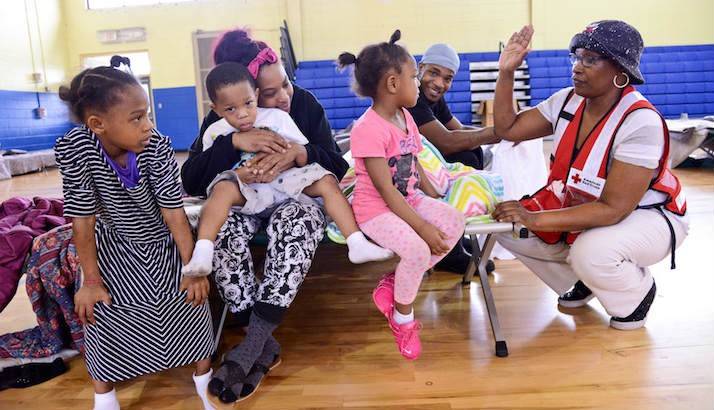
<point>407,338</point>
<point>383,295</point>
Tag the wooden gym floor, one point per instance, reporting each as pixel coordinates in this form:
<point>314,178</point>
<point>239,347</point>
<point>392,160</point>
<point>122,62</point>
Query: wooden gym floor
<point>339,353</point>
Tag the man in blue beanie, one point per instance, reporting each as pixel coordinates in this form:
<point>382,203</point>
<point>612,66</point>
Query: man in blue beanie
<point>456,142</point>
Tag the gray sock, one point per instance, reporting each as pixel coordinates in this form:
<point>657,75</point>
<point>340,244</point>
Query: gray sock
<point>266,358</point>
<point>248,351</point>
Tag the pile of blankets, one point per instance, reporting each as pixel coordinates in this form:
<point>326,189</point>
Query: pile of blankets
<point>21,220</point>
<point>53,277</point>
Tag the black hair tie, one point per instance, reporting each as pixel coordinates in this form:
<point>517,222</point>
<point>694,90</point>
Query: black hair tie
<point>346,59</point>
<point>395,36</point>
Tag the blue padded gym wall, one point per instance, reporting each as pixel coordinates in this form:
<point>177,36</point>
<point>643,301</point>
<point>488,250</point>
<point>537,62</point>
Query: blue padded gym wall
<point>679,79</point>
<point>20,129</point>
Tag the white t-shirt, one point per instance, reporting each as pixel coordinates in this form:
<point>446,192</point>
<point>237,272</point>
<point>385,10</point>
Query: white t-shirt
<point>638,141</point>
<point>274,119</point>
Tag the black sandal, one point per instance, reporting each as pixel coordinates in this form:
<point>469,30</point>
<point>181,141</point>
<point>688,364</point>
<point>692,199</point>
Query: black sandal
<point>217,386</point>
<point>248,389</point>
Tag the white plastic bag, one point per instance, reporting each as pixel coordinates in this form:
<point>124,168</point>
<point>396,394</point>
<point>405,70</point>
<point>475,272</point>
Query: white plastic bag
<point>522,167</point>
<point>524,171</point>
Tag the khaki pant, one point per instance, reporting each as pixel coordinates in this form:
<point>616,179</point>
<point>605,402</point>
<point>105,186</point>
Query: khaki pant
<point>611,260</point>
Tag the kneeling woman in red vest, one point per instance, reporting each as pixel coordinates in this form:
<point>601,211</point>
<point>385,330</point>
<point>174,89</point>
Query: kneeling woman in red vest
<point>611,207</point>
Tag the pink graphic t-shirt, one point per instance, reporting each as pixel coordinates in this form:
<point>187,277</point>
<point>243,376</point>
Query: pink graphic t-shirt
<point>374,137</point>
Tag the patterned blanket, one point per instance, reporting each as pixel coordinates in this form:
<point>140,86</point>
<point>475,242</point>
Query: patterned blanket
<point>51,283</point>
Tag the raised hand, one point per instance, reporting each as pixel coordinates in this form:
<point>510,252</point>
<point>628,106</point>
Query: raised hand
<point>516,49</point>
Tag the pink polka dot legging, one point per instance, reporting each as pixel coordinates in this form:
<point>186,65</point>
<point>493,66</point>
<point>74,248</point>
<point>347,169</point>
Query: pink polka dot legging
<point>391,232</point>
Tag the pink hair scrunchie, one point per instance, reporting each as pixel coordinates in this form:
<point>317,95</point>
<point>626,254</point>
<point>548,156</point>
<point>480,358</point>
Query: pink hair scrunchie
<point>266,55</point>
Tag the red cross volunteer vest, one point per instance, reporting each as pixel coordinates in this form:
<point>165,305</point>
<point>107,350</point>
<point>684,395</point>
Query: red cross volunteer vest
<point>578,178</point>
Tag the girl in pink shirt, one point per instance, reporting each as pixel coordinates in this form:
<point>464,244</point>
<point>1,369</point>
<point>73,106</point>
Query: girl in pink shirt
<point>393,201</point>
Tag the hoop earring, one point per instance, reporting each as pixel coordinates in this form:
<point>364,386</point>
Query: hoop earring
<point>627,81</point>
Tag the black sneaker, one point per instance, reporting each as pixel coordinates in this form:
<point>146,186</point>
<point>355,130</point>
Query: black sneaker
<point>466,243</point>
<point>457,261</point>
<point>576,297</point>
<point>637,318</point>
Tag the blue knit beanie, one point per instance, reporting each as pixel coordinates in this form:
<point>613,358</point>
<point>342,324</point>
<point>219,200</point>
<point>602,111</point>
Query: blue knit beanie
<point>443,55</point>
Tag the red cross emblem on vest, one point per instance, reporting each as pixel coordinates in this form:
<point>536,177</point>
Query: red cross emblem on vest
<point>576,178</point>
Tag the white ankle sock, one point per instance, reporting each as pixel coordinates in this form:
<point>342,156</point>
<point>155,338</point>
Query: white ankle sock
<point>401,318</point>
<point>201,383</point>
<point>201,263</point>
<point>106,401</point>
<point>362,250</point>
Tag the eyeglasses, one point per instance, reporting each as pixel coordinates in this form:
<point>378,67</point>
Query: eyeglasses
<point>586,60</point>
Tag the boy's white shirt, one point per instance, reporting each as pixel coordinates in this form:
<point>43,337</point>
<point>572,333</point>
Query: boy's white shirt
<point>274,119</point>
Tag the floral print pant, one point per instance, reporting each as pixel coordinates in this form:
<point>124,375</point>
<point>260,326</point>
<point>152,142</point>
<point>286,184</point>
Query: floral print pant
<point>294,230</point>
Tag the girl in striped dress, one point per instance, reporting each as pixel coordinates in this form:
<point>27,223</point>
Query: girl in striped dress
<point>121,187</point>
